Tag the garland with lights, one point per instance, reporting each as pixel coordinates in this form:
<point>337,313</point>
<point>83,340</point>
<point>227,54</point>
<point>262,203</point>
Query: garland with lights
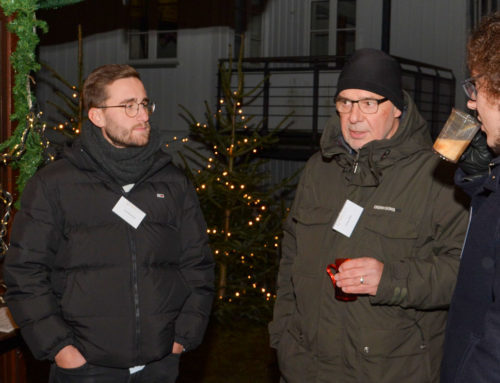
<point>24,149</point>
<point>24,63</point>
<point>244,213</point>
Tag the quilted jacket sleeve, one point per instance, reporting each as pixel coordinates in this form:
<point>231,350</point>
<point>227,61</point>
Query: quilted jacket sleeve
<point>34,241</point>
<point>197,268</point>
<point>427,280</point>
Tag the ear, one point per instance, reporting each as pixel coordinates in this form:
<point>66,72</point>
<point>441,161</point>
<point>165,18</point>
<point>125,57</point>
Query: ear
<point>96,116</point>
<point>396,112</point>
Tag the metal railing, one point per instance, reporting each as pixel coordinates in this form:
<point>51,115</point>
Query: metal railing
<point>305,86</point>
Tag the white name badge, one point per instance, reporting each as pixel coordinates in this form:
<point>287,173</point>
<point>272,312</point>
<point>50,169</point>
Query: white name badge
<point>348,218</point>
<point>130,213</point>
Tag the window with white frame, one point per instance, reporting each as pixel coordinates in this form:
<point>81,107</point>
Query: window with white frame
<point>152,32</point>
<point>346,27</point>
<point>332,27</point>
<point>320,20</point>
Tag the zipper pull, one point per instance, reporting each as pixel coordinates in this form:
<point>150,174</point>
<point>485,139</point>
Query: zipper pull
<point>356,163</point>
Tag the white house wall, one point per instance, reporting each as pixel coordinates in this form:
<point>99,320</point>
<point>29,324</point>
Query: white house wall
<point>286,26</point>
<point>429,31</point>
<point>369,23</point>
<point>283,26</point>
<point>432,31</point>
<point>192,81</point>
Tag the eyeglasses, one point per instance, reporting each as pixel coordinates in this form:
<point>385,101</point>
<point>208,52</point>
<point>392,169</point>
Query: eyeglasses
<point>366,105</point>
<point>469,86</point>
<point>132,107</point>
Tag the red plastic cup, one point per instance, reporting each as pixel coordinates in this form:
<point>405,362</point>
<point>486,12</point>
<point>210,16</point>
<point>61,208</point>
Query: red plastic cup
<point>332,269</point>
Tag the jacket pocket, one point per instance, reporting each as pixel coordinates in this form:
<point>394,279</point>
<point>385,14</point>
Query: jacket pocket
<point>312,227</point>
<point>296,361</point>
<point>393,356</point>
<point>391,225</point>
<point>388,235</point>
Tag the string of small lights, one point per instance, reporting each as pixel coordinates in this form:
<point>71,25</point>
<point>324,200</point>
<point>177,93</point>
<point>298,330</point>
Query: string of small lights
<point>243,211</point>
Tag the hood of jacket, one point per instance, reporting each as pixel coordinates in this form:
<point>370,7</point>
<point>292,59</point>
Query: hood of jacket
<point>365,166</point>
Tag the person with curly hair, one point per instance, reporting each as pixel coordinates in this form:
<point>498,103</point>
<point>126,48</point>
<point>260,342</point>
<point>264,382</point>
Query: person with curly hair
<point>472,343</point>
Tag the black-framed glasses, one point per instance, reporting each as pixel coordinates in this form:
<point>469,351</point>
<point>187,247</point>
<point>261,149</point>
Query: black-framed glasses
<point>366,105</point>
<point>469,87</point>
<point>132,108</point>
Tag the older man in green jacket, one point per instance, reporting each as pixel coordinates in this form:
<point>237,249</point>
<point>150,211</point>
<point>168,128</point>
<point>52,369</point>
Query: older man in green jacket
<point>402,227</point>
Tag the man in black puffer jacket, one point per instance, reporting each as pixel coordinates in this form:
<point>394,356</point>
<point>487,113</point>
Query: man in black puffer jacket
<point>109,272</point>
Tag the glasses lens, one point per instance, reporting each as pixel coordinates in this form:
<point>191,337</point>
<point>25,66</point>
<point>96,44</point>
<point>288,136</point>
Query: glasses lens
<point>131,109</point>
<point>469,87</point>
<point>343,105</point>
<point>368,106</point>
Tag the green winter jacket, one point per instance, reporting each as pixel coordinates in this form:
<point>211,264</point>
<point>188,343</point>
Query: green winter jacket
<point>414,221</point>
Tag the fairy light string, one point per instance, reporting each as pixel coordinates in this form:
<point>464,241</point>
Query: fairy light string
<point>243,210</point>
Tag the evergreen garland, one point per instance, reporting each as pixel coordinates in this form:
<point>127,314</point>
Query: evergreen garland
<point>25,153</point>
<point>56,3</point>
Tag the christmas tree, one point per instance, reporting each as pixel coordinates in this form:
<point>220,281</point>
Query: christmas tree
<point>244,213</point>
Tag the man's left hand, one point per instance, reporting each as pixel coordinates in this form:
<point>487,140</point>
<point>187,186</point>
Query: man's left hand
<point>177,348</point>
<point>353,271</point>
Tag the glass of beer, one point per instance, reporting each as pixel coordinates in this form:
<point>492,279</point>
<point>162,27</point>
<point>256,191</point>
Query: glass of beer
<point>456,135</point>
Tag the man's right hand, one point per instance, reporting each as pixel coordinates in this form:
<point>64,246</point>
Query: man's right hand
<point>69,357</point>
<point>477,157</point>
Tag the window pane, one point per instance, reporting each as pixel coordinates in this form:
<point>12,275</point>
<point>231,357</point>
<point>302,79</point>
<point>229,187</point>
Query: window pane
<point>166,46</point>
<point>138,46</point>
<point>319,15</point>
<point>346,14</point>
<point>345,42</point>
<point>319,43</point>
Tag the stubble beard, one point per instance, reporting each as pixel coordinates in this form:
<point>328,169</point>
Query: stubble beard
<point>128,140</point>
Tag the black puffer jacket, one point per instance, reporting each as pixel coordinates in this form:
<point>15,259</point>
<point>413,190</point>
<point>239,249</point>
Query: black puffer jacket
<point>79,274</point>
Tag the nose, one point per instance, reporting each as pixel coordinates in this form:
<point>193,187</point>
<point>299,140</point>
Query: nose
<point>355,114</point>
<point>142,114</point>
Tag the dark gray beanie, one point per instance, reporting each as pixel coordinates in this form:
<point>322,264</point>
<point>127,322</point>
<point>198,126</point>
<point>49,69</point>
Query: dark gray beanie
<point>374,71</point>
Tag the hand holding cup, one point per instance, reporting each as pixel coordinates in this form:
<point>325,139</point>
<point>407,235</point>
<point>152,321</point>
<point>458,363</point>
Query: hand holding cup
<point>456,135</point>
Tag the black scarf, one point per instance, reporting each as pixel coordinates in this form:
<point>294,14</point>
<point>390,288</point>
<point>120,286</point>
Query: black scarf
<point>125,165</point>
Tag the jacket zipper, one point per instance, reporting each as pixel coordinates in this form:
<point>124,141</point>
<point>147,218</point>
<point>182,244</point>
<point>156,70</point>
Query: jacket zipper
<point>135,287</point>
<point>356,163</point>
<point>135,291</point>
